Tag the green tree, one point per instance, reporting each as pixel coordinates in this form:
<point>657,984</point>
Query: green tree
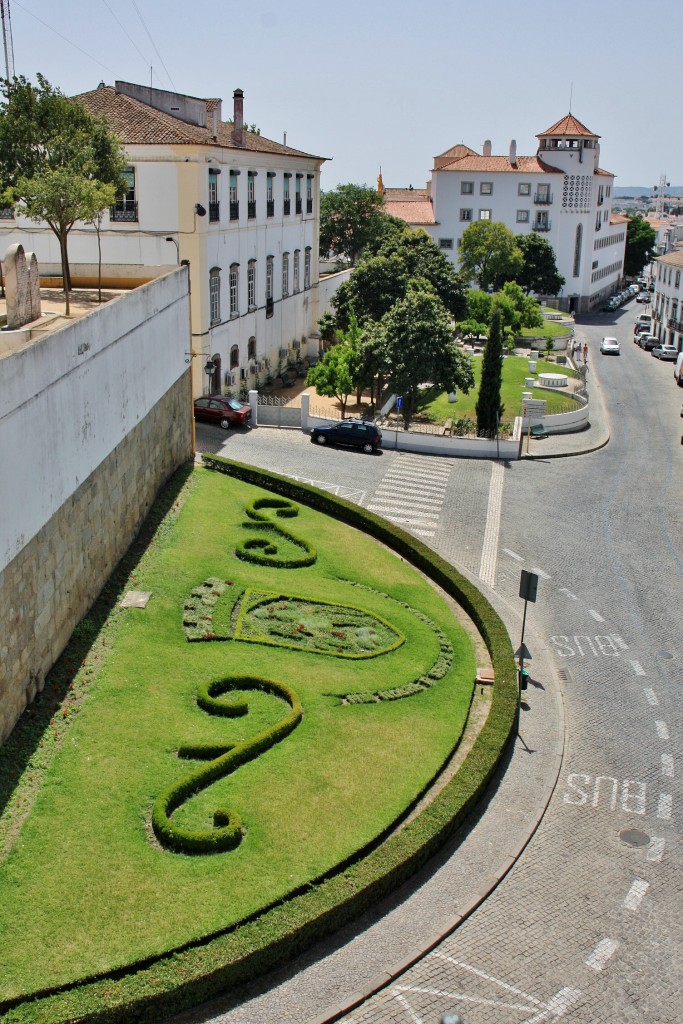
<point>54,156</point>
<point>418,347</point>
<point>640,241</point>
<point>479,305</point>
<point>423,259</point>
<point>539,273</point>
<point>350,217</point>
<point>371,290</point>
<point>98,199</point>
<point>489,254</point>
<point>335,375</point>
<point>488,407</point>
<point>530,313</point>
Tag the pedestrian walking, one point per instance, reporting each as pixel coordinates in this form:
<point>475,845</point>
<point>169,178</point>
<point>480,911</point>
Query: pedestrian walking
<point>585,352</point>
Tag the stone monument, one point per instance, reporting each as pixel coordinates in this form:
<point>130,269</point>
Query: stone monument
<point>22,287</point>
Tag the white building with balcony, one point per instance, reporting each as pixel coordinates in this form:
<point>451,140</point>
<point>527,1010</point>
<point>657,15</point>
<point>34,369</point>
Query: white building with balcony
<point>561,193</point>
<point>242,210</point>
<point>667,308</point>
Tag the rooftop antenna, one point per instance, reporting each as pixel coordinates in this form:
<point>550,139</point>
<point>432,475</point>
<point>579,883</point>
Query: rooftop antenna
<point>571,93</point>
<point>7,40</point>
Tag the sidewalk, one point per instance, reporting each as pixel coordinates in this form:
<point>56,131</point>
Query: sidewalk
<point>596,436</point>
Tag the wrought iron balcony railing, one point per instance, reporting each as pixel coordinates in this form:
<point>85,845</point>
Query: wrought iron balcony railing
<point>125,210</point>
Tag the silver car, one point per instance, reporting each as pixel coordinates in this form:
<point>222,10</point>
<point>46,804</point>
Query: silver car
<point>665,352</point>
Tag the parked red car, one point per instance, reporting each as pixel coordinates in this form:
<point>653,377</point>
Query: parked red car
<point>226,412</point>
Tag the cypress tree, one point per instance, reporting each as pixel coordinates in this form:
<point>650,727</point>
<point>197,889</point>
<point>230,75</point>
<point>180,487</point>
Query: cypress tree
<point>488,406</point>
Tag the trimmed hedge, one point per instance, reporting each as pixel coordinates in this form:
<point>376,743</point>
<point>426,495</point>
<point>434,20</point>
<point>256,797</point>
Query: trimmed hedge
<point>226,833</point>
<point>199,971</point>
<point>263,551</point>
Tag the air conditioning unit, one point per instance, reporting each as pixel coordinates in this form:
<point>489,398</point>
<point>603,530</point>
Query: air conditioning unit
<point>243,374</point>
<point>296,345</point>
<point>228,377</point>
<point>253,369</point>
<point>266,363</point>
<point>284,353</point>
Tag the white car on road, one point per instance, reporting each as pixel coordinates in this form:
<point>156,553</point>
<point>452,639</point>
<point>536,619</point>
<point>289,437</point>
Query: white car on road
<point>609,347</point>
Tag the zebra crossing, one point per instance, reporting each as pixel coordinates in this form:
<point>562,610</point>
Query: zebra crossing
<point>412,493</point>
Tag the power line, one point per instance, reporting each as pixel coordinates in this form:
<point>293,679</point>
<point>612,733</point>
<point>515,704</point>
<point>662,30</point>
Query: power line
<point>66,40</point>
<point>153,44</point>
<point>126,33</point>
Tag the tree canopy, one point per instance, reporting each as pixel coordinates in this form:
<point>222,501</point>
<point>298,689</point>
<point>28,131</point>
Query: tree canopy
<point>640,241</point>
<point>350,218</point>
<point>488,407</point>
<point>539,272</point>
<point>419,347</point>
<point>55,158</point>
<point>489,253</point>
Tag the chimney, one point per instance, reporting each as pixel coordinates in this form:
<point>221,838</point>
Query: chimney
<point>214,134</point>
<point>487,148</point>
<point>238,118</point>
<point>513,153</point>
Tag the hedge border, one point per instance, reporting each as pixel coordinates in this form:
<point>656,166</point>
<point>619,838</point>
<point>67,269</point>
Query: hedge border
<point>248,550</point>
<point>179,979</point>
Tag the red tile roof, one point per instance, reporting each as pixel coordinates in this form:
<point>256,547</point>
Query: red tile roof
<point>406,195</point>
<point>500,164</point>
<point>136,123</point>
<point>618,218</point>
<point>411,212</point>
<point>568,125</point>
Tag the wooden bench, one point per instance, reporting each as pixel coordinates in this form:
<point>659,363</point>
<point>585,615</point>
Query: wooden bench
<point>288,379</point>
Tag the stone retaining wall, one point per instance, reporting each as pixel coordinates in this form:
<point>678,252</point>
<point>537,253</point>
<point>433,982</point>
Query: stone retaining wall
<point>50,585</point>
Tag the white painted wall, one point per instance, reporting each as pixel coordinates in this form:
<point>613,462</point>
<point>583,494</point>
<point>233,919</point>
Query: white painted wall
<point>67,400</point>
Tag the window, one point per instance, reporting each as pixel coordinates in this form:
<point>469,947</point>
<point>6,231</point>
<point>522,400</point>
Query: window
<point>234,289</point>
<point>307,267</point>
<point>270,202</point>
<point>286,201</point>
<point>234,202</point>
<point>126,208</point>
<point>309,193</point>
<point>234,357</point>
<point>251,348</point>
<point>285,274</point>
<point>214,205</point>
<point>484,215</point>
<point>486,188</point>
<point>543,194</point>
<point>297,256</point>
<point>677,281</point>
<point>522,216</point>
<point>215,295</point>
<point>297,195</point>
<point>269,278</point>
<point>466,188</point>
<point>445,243</point>
<point>465,214</point>
<point>251,195</point>
<point>524,189</point>
<point>251,284</point>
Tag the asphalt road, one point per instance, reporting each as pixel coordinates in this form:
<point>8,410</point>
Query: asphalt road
<point>586,927</point>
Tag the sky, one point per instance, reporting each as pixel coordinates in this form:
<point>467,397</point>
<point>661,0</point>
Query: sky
<point>371,83</point>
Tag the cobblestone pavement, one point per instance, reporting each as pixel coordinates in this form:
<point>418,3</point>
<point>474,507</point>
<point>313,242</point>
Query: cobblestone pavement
<point>586,924</point>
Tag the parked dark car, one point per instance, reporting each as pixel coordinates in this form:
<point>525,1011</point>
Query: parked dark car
<point>355,433</point>
<point>648,342</point>
<point>226,412</point>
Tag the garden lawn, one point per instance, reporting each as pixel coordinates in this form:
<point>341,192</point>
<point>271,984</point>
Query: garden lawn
<point>87,888</point>
<point>435,407</point>
<point>550,329</point>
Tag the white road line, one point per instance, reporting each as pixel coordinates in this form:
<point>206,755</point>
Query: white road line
<point>422,499</point>
<point>602,954</point>
<point>668,765</point>
<point>513,554</point>
<point>620,642</point>
<point>655,850</point>
<point>408,506</point>
<point>402,492</point>
<point>650,695</point>
<point>488,977</point>
<point>489,549</point>
<point>417,480</point>
<point>406,1006</point>
<point>557,1006</point>
<point>423,533</point>
<point>563,590</point>
<point>638,669</point>
<point>407,521</point>
<point>596,615</point>
<point>403,510</point>
<point>662,730</point>
<point>634,896</point>
<point>543,575</point>
<point>461,997</point>
<point>664,806</point>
